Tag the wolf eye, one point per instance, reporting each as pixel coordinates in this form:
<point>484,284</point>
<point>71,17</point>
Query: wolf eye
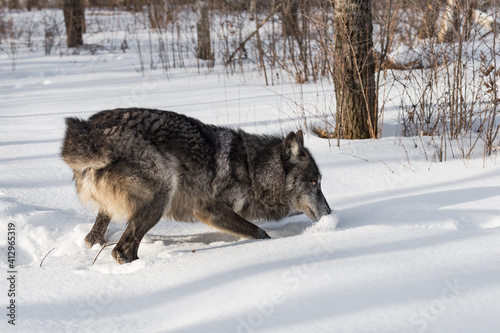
<point>314,183</point>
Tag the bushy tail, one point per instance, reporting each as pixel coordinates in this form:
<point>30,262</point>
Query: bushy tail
<point>83,149</point>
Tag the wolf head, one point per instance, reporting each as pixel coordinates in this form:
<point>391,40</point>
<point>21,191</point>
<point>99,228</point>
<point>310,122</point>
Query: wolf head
<point>303,179</point>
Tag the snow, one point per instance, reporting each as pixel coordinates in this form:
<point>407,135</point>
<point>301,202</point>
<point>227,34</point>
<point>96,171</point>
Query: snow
<point>412,245</point>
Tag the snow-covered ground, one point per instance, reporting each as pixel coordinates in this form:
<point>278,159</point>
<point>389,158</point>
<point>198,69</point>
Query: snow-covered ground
<point>413,245</point>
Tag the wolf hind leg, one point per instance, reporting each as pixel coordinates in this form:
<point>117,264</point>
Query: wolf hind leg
<point>96,235</point>
<point>218,215</point>
<point>144,218</point>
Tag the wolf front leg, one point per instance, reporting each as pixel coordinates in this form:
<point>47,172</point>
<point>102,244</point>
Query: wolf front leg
<point>216,214</point>
<point>96,235</point>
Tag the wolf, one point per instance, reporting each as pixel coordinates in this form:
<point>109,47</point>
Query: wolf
<point>140,165</point>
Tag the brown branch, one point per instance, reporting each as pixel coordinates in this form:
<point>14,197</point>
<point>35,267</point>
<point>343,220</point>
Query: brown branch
<point>46,256</point>
<point>242,45</point>
<point>388,63</point>
<point>105,245</point>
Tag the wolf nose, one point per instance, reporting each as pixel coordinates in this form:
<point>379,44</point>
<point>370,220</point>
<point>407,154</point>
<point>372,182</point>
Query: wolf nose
<point>328,210</point>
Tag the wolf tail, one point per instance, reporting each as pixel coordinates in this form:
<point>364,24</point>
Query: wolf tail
<point>82,148</point>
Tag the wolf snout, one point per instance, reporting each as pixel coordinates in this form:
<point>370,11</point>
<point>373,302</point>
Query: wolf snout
<point>323,209</point>
<point>316,207</point>
<point>326,210</point>
<point>316,213</point>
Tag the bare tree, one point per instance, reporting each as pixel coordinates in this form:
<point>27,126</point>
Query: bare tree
<point>14,4</point>
<point>30,4</point>
<point>203,29</point>
<point>74,19</point>
<point>427,27</point>
<point>354,70</point>
<point>450,22</point>
<point>157,10</point>
<point>290,17</point>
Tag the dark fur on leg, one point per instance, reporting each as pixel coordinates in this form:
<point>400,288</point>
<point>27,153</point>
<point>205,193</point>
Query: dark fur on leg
<point>139,224</point>
<point>96,235</point>
<point>218,215</point>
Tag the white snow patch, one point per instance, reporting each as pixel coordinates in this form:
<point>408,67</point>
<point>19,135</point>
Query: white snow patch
<point>326,223</point>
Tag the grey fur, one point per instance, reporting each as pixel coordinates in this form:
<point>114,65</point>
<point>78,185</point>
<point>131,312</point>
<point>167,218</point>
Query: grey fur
<point>142,165</point>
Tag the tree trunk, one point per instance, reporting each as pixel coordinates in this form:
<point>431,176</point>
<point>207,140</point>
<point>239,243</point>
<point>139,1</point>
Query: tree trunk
<point>354,70</point>
<point>449,22</point>
<point>31,4</point>
<point>203,29</point>
<point>427,27</point>
<point>14,4</point>
<point>290,18</point>
<point>74,19</point>
<point>157,11</point>
<point>456,21</point>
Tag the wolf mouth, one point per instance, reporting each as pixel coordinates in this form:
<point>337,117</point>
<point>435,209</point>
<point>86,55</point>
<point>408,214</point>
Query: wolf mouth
<point>312,215</point>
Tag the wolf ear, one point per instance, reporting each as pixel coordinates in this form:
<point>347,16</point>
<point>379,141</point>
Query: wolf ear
<point>293,143</point>
<point>300,137</point>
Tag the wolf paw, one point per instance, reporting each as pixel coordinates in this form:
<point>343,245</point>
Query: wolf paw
<point>263,235</point>
<point>122,257</point>
<point>92,238</point>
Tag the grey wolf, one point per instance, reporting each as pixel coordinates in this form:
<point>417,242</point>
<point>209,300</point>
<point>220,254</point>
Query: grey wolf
<point>140,165</point>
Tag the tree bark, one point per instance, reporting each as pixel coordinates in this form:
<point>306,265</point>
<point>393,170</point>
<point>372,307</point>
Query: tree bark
<point>354,70</point>
<point>31,4</point>
<point>203,29</point>
<point>14,4</point>
<point>456,21</point>
<point>427,27</point>
<point>449,22</point>
<point>157,11</point>
<point>290,18</point>
<point>74,19</point>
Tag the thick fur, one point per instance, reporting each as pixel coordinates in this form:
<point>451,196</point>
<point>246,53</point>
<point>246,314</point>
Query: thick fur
<point>140,165</point>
